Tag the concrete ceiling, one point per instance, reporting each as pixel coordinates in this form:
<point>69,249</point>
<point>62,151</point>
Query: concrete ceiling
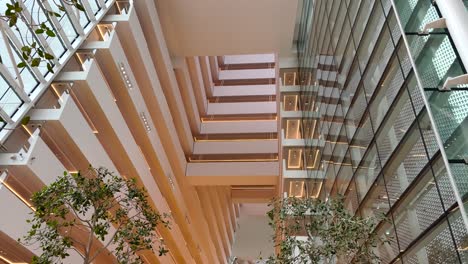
<point>225,27</point>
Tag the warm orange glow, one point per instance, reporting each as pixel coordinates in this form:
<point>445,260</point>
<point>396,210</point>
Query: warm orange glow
<point>315,160</point>
<point>294,102</point>
<point>290,157</point>
<point>295,133</point>
<point>56,92</point>
<point>293,183</point>
<point>81,60</point>
<point>9,261</point>
<point>232,140</point>
<point>318,190</point>
<point>17,194</point>
<point>102,32</point>
<point>207,120</point>
<point>231,160</point>
<point>313,128</point>
<point>27,130</point>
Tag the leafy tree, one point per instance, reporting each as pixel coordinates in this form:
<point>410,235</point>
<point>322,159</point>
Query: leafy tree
<point>31,51</point>
<point>94,202</point>
<point>329,233</point>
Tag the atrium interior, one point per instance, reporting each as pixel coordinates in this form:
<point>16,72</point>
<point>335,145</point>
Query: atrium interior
<point>218,107</point>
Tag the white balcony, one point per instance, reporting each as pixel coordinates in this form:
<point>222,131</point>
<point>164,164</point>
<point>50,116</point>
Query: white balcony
<point>301,174</point>
<point>236,147</point>
<point>247,74</point>
<point>254,58</point>
<point>233,173</point>
<point>234,127</point>
<point>242,108</point>
<point>300,114</point>
<point>244,90</point>
<point>300,142</point>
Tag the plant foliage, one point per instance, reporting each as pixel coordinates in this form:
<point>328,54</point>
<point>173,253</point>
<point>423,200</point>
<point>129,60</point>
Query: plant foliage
<point>31,51</point>
<point>313,231</point>
<point>94,202</point>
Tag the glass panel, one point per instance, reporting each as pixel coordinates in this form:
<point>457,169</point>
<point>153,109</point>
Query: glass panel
<point>450,112</point>
<point>37,13</point>
<point>398,122</point>
<point>10,102</point>
<point>94,6</point>
<point>65,23</point>
<point>367,172</point>
<point>352,200</point>
<point>388,251</point>
<point>388,90</point>
<point>437,247</point>
<point>83,17</point>
<point>407,163</point>
<point>362,17</point>
<point>362,138</point>
<point>344,176</point>
<point>373,28</point>
<point>415,14</point>
<point>420,207</point>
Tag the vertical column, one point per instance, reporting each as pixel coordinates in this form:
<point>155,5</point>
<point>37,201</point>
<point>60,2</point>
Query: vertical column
<point>456,17</point>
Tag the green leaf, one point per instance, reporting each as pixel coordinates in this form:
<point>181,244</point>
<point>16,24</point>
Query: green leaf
<point>48,56</point>
<point>25,120</point>
<point>50,33</point>
<point>39,31</point>
<point>12,21</point>
<point>79,7</point>
<point>55,14</point>
<point>21,64</point>
<point>35,62</point>
<point>50,68</point>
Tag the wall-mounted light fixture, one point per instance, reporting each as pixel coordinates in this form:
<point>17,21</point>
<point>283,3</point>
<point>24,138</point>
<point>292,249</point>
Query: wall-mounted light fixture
<point>125,76</point>
<point>145,121</point>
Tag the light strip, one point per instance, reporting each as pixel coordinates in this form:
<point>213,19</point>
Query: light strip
<point>232,160</point>
<point>27,130</point>
<point>205,120</point>
<point>231,140</point>
<point>315,159</point>
<point>9,261</point>
<point>145,121</point>
<point>291,189</point>
<point>313,128</point>
<point>299,159</point>
<point>288,122</point>
<point>56,92</point>
<point>318,191</point>
<point>4,183</point>
<point>125,76</point>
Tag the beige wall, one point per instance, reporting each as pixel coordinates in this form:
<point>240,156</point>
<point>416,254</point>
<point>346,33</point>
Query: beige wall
<point>253,238</point>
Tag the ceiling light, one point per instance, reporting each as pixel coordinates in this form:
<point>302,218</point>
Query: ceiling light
<point>145,121</point>
<point>125,76</point>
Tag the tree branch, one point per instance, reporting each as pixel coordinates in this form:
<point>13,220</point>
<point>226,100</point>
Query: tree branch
<point>105,246</point>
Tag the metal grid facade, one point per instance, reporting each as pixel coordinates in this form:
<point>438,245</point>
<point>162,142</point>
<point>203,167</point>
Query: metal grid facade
<point>381,143</point>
